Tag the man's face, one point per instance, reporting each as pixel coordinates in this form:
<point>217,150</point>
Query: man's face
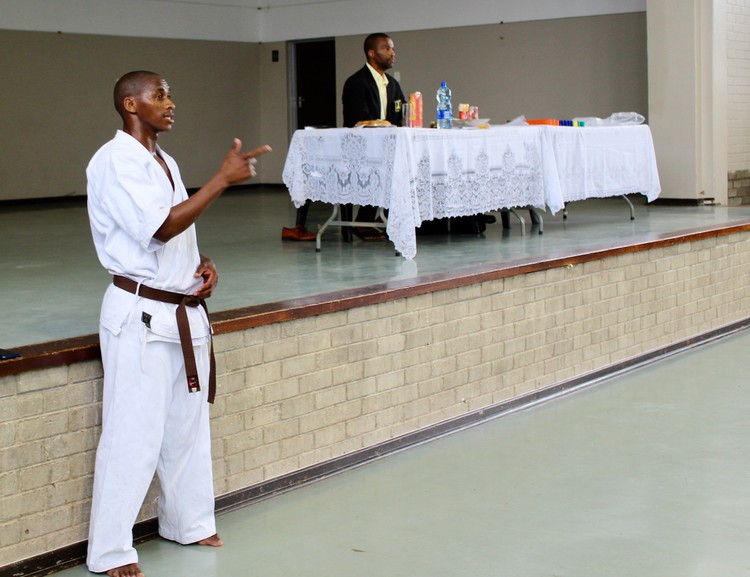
<point>153,105</point>
<point>383,56</point>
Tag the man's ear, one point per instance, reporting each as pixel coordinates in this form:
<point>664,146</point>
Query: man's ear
<point>128,104</point>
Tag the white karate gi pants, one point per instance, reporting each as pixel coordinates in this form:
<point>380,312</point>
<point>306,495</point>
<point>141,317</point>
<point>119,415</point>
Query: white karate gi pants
<point>150,423</point>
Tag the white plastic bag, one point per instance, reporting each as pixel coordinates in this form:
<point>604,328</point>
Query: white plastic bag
<point>517,121</point>
<point>626,118</point>
<point>618,118</point>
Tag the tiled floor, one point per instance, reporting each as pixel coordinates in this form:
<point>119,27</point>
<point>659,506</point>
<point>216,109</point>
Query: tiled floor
<point>52,282</point>
<point>642,475</point>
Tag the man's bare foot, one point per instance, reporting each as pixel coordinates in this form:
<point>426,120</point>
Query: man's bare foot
<point>130,570</point>
<point>212,541</point>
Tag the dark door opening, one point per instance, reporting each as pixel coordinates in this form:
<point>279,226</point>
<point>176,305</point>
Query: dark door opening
<point>315,82</point>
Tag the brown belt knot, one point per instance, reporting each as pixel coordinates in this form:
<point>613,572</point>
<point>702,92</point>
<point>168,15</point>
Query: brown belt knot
<point>183,328</point>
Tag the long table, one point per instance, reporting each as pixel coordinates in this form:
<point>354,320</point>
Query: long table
<point>424,174</point>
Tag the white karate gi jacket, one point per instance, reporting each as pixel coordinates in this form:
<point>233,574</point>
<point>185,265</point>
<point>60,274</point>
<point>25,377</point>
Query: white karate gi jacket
<point>129,197</point>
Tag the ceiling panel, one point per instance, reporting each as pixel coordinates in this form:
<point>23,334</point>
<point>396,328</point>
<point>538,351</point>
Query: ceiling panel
<point>258,4</point>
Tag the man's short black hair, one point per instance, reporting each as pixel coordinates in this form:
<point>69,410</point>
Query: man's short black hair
<point>372,40</point>
<point>130,84</point>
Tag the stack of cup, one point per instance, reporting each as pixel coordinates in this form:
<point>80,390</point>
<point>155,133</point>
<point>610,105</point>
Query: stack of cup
<point>406,115</point>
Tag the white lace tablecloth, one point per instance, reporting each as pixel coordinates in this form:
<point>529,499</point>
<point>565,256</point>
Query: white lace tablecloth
<point>422,174</point>
<point>603,161</point>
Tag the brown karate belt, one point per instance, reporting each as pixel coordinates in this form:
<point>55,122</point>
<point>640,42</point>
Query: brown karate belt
<point>183,328</point>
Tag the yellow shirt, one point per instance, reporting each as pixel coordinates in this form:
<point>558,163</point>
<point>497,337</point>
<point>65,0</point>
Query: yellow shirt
<point>382,81</point>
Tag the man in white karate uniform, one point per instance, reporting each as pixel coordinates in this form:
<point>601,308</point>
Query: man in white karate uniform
<point>156,365</point>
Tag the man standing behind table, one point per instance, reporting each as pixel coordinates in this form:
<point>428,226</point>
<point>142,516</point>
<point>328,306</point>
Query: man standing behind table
<point>371,94</point>
<point>154,331</point>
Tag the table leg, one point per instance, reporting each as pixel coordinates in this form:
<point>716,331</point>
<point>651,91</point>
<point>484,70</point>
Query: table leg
<point>520,220</point>
<point>536,218</point>
<point>630,205</point>
<point>321,228</point>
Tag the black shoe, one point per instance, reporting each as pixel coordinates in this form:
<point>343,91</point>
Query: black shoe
<point>368,233</point>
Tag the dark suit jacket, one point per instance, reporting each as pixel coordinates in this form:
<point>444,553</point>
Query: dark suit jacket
<point>362,102</point>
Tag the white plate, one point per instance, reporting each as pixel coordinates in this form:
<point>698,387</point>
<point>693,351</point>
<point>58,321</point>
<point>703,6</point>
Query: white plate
<point>461,123</point>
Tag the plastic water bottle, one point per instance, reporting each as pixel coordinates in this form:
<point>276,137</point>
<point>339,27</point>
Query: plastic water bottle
<point>444,108</point>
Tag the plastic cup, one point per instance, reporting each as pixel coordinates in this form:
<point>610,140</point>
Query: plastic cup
<point>406,114</point>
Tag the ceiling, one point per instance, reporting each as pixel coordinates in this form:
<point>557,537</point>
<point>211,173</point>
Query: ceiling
<point>282,20</point>
<point>257,4</point>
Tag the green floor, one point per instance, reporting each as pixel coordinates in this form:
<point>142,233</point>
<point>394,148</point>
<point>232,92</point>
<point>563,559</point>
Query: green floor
<point>52,281</point>
<point>644,475</point>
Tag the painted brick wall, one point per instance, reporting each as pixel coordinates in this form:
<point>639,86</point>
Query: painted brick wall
<point>302,392</point>
<point>739,188</point>
<point>738,89</point>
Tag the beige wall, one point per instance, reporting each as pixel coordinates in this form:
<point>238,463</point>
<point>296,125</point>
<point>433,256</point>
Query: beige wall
<point>56,108</point>
<point>273,115</point>
<point>303,392</point>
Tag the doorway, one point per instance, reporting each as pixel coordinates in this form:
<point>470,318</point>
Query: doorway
<point>312,83</point>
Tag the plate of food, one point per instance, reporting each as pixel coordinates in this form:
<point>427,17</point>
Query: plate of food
<point>373,124</point>
<point>476,123</point>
